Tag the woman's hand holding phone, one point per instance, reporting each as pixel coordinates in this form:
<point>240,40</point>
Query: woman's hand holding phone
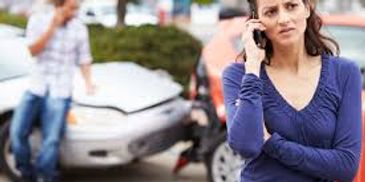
<point>254,54</point>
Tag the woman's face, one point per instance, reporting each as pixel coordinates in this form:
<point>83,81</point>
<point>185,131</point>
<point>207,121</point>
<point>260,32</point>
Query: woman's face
<point>285,20</point>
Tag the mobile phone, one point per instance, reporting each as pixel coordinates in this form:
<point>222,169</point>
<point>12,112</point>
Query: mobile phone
<point>259,36</point>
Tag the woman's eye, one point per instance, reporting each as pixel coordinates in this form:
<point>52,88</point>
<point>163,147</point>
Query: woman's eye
<point>270,13</point>
<point>291,6</point>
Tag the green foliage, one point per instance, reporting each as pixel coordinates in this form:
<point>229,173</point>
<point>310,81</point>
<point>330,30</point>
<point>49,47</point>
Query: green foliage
<point>16,20</point>
<point>166,48</point>
<point>203,1</point>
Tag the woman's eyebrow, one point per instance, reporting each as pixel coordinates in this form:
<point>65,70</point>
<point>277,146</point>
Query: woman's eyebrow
<point>269,7</point>
<point>289,1</point>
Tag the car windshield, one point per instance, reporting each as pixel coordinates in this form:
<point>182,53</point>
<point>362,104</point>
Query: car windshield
<point>350,40</point>
<point>12,63</point>
<point>8,30</point>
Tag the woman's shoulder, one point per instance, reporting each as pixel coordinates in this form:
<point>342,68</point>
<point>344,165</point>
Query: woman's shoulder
<point>234,69</point>
<point>341,69</point>
<point>233,72</point>
<point>342,66</point>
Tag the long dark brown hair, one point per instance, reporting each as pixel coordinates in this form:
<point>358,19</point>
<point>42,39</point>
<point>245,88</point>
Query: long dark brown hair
<point>315,42</point>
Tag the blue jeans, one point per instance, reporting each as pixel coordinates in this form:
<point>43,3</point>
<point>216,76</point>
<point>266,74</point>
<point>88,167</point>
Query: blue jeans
<point>53,113</point>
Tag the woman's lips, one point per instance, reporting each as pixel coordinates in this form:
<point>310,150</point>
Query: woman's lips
<point>286,30</point>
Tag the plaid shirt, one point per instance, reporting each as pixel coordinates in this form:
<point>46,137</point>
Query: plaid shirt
<point>55,65</point>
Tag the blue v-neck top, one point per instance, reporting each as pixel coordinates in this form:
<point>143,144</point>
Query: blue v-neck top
<point>320,142</point>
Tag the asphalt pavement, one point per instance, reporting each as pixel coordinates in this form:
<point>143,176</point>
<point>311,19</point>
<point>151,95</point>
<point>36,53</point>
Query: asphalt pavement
<point>157,168</point>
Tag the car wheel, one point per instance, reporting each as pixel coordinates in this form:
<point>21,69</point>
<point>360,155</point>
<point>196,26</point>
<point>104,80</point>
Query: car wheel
<point>223,165</point>
<point>7,160</point>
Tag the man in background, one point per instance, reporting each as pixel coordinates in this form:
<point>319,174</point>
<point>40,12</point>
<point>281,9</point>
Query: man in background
<point>59,43</point>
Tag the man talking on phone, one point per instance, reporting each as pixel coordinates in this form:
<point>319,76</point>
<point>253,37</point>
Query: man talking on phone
<point>59,43</point>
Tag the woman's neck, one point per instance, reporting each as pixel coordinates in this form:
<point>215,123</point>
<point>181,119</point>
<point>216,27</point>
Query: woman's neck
<point>290,58</point>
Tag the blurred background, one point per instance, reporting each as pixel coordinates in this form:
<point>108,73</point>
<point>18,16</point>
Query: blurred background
<point>177,38</point>
<point>195,17</point>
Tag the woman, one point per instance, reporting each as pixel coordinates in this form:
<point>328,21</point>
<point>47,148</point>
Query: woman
<point>306,100</point>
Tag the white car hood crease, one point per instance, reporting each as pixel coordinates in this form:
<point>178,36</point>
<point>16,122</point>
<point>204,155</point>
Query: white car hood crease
<point>126,86</point>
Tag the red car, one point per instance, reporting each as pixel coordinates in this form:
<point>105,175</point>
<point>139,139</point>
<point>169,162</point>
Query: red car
<point>206,90</point>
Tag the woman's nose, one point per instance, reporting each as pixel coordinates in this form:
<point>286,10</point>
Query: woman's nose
<point>283,18</point>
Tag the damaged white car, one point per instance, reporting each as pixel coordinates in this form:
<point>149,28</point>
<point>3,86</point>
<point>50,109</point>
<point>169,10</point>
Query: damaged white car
<point>135,112</point>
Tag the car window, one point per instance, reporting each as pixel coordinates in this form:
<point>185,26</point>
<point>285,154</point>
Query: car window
<point>350,40</point>
<point>15,59</point>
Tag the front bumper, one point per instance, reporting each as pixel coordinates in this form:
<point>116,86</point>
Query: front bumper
<point>145,133</point>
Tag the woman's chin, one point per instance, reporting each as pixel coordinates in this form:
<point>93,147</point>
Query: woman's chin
<point>287,42</point>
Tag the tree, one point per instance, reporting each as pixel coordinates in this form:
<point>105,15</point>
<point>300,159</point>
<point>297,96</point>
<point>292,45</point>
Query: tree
<point>122,10</point>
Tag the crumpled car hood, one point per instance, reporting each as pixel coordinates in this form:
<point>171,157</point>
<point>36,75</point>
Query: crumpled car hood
<point>126,86</point>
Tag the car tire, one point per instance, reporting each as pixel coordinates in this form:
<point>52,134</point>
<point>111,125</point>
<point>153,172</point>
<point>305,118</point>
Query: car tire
<point>223,165</point>
<point>7,162</point>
